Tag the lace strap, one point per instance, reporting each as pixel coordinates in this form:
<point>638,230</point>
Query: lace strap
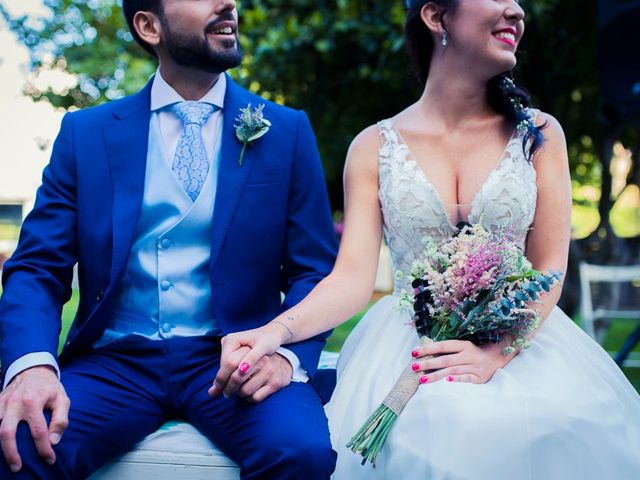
<point>388,141</point>
<point>386,131</point>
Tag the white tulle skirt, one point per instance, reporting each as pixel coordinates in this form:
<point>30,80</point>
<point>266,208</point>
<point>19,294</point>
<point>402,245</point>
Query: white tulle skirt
<point>561,410</point>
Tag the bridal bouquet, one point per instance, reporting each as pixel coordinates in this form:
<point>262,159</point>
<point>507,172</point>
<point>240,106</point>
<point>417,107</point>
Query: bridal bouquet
<point>476,287</point>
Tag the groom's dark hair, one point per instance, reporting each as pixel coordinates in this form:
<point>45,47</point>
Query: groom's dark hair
<point>131,7</point>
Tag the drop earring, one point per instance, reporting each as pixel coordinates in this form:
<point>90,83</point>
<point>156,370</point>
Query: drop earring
<point>444,40</point>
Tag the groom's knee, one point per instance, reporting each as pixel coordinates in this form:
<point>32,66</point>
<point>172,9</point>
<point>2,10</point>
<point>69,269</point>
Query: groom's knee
<point>291,438</point>
<point>33,466</point>
<point>312,455</point>
<point>304,455</point>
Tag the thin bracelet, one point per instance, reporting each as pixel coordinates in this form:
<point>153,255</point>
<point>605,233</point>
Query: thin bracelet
<point>288,329</point>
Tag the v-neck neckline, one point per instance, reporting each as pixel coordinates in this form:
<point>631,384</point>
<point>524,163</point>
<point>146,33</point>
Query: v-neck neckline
<point>430,184</point>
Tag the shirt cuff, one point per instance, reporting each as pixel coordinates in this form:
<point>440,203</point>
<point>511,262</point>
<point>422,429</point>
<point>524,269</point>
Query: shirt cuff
<point>298,374</point>
<point>29,360</point>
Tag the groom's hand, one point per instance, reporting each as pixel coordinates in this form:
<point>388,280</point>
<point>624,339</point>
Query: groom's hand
<point>271,373</point>
<point>24,400</point>
<point>267,376</point>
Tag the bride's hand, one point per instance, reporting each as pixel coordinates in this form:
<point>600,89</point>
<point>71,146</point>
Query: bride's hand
<point>459,361</point>
<point>240,352</point>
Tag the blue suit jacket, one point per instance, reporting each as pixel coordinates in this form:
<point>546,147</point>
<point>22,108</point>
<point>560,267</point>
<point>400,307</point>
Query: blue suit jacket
<point>272,229</point>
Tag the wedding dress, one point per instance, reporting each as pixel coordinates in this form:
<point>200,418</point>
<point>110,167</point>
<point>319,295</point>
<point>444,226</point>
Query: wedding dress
<point>560,410</point>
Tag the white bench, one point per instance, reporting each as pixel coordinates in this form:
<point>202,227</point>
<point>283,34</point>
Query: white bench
<point>178,451</point>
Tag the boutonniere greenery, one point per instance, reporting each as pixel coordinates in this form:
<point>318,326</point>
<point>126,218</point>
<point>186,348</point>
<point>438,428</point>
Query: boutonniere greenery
<point>250,125</point>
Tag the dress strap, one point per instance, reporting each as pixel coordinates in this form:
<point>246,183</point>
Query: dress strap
<point>385,127</point>
<point>388,141</point>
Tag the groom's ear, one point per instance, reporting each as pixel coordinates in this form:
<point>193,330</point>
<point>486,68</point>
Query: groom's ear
<point>148,27</point>
<point>432,18</point>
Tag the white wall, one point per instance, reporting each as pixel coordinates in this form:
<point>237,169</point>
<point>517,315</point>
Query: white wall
<point>27,128</point>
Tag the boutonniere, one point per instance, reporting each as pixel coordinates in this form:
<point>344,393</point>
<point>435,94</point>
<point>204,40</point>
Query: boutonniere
<point>250,125</point>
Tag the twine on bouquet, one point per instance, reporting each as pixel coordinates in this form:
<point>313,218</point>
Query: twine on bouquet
<point>371,437</point>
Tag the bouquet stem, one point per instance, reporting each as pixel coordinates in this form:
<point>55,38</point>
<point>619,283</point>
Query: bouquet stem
<point>373,433</point>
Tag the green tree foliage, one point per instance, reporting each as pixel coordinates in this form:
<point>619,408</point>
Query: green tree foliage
<point>89,39</point>
<point>559,67</point>
<point>342,61</point>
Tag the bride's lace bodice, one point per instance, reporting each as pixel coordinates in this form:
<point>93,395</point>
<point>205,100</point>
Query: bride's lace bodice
<point>413,210</point>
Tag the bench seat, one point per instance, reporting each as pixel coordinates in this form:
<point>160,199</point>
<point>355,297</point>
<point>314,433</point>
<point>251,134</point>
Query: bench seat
<point>178,451</point>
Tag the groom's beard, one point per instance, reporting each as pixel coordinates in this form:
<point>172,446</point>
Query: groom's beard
<point>195,52</point>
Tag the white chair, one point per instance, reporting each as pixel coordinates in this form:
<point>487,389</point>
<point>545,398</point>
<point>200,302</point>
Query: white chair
<point>178,451</point>
<point>609,292</point>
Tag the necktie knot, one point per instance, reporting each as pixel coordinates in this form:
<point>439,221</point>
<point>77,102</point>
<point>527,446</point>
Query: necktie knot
<point>193,112</point>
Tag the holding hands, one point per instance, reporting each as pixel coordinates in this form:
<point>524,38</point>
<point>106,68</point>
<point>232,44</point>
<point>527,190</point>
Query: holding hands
<point>250,366</point>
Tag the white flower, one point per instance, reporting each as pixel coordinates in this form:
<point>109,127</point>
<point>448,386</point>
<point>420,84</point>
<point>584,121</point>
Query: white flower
<point>250,126</point>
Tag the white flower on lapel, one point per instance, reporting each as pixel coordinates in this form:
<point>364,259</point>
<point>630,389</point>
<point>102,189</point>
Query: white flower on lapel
<point>250,125</point>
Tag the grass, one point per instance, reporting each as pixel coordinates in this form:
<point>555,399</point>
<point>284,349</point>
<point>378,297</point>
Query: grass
<point>624,220</point>
<point>339,335</point>
<point>616,336</point>
<point>9,231</point>
<point>624,215</point>
<point>68,312</point>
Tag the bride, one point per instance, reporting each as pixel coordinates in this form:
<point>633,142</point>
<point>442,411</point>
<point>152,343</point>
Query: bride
<point>471,150</point>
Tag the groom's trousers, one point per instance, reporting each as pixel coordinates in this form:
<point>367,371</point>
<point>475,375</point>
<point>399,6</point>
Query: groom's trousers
<point>126,390</point>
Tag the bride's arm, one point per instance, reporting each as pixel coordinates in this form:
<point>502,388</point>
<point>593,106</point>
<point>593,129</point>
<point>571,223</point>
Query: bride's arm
<point>548,240</point>
<point>340,295</point>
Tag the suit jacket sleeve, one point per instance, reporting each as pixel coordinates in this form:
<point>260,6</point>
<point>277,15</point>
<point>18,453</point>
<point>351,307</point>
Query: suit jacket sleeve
<point>37,278</point>
<point>311,241</point>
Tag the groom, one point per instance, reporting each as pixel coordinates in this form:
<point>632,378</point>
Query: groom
<point>178,242</point>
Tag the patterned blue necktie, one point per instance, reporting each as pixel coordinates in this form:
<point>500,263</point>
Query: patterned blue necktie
<point>190,163</point>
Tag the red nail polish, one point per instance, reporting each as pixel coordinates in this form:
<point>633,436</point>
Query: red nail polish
<point>450,378</point>
<point>415,367</point>
<point>244,368</point>
<point>414,353</point>
<point>424,379</point>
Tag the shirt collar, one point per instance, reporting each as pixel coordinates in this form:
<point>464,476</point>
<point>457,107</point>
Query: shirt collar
<point>163,94</point>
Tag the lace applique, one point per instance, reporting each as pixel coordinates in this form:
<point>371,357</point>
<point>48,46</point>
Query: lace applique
<point>412,209</point>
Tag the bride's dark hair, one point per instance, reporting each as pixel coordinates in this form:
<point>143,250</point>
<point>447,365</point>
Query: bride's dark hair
<point>503,95</point>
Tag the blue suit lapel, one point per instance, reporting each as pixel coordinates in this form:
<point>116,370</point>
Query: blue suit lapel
<point>231,176</point>
<point>126,140</point>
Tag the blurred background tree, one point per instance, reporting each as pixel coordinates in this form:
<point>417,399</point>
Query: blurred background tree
<point>343,62</point>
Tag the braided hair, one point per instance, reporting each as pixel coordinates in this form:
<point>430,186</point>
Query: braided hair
<point>503,95</point>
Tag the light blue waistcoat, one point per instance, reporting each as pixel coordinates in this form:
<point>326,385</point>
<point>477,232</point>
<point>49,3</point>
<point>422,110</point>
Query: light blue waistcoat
<point>165,290</point>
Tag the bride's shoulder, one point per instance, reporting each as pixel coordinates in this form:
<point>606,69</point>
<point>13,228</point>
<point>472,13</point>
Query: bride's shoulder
<point>367,142</point>
<point>549,125</point>
<point>362,157</point>
<point>554,146</point>
<point>372,137</point>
